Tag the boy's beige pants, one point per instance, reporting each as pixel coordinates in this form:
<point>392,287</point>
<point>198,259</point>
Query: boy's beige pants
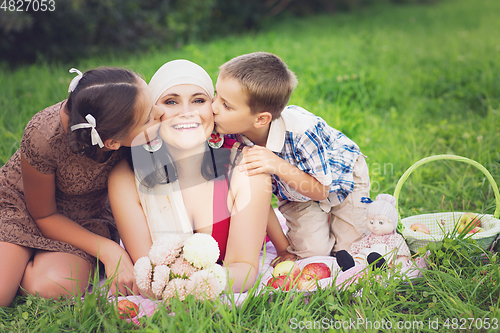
<point>314,232</point>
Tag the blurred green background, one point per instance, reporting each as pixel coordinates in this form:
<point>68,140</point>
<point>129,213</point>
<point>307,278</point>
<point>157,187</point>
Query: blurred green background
<point>68,29</point>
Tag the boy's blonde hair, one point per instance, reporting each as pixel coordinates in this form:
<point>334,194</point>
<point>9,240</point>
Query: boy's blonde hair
<point>266,79</point>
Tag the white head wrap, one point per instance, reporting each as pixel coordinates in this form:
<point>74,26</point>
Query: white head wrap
<point>179,72</point>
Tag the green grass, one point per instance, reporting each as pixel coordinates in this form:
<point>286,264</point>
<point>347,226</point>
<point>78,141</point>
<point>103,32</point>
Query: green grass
<point>404,82</point>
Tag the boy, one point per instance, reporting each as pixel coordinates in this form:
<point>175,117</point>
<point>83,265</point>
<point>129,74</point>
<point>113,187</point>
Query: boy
<point>319,175</point>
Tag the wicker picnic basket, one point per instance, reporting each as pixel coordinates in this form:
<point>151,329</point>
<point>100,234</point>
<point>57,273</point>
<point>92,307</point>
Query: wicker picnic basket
<point>440,224</point>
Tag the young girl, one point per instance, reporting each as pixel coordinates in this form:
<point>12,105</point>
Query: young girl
<point>55,217</point>
<point>186,185</point>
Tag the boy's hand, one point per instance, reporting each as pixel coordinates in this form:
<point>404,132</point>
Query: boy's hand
<point>259,160</point>
<point>284,256</point>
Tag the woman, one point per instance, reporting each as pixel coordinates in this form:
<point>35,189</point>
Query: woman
<point>55,217</point>
<point>186,186</point>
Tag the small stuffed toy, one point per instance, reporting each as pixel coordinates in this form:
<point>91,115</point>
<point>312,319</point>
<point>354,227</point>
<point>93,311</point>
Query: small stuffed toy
<point>383,246</point>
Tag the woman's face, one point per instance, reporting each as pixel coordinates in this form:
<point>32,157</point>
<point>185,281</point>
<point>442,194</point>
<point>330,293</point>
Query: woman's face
<point>379,224</point>
<point>188,120</point>
<point>149,118</point>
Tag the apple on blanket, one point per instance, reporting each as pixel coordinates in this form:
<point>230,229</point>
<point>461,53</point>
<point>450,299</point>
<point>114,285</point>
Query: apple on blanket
<point>287,274</point>
<point>311,274</point>
<point>127,309</point>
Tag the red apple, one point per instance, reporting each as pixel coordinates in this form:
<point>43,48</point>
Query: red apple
<point>311,273</point>
<point>288,269</point>
<point>280,282</point>
<point>127,309</point>
<point>304,283</point>
<point>468,221</point>
<point>420,227</point>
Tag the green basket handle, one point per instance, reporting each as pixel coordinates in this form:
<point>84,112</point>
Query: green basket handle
<point>407,173</point>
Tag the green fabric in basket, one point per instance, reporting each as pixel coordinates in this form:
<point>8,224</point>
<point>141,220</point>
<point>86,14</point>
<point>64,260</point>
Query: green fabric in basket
<point>440,224</point>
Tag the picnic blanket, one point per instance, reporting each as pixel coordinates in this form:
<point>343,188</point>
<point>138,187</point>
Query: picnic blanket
<point>339,279</point>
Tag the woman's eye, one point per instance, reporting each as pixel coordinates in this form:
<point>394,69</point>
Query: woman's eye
<point>200,101</point>
<point>169,102</point>
<point>380,222</point>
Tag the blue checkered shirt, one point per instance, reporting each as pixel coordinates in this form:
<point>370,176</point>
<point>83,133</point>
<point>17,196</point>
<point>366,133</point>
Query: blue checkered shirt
<point>309,143</point>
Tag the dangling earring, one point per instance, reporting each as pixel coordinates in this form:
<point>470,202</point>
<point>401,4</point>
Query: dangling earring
<point>216,140</point>
<point>153,145</point>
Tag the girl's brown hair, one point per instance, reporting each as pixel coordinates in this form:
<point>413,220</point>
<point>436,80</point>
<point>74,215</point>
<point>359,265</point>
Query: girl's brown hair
<point>109,94</point>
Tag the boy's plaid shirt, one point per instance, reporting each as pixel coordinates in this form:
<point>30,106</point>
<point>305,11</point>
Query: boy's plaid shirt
<point>309,143</point>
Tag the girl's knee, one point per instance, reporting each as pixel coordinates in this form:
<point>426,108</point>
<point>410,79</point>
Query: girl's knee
<point>13,260</point>
<point>52,282</point>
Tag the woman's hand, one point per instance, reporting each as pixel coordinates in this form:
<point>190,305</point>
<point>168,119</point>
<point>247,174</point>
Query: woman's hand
<point>120,269</point>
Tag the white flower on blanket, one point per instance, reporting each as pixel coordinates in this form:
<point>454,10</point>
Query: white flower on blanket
<point>201,250</point>
<point>174,269</point>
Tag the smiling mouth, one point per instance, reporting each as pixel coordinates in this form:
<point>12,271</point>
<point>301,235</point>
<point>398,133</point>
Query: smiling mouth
<point>186,126</point>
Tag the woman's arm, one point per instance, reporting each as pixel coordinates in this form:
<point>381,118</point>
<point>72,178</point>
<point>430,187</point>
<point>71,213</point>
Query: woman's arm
<point>39,191</point>
<point>249,215</point>
<point>129,215</point>
<point>127,211</point>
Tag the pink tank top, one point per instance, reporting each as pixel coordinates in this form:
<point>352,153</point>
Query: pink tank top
<point>221,216</point>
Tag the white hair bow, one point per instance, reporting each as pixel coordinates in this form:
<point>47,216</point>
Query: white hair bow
<point>96,139</point>
<point>76,79</point>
